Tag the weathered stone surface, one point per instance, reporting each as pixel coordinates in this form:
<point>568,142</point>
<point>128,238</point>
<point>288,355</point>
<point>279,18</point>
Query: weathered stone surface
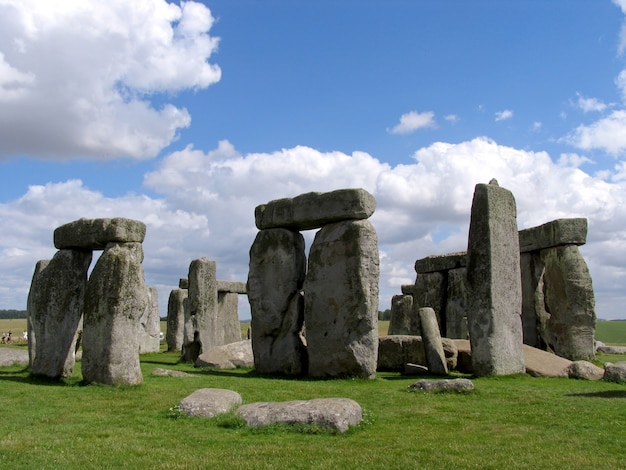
<point>210,402</point>
<point>402,317</point>
<point>456,304</point>
<point>407,289</point>
<point>555,233</point>
<point>566,304</point>
<point>430,291</point>
<point>442,385</point>
<point>12,357</point>
<point>201,318</point>
<point>494,283</point>
<point>95,234</point>
<point>183,283</point>
<point>395,351</point>
<point>464,356</point>
<point>30,328</point>
<point>150,324</point>
<point>55,306</point>
<point>313,210</point>
<point>275,278</point>
<point>341,301</point>
<point>611,349</point>
<point>229,356</point>
<point>170,373</point>
<point>615,372</point>
<point>532,272</point>
<point>450,352</point>
<point>584,370</point>
<point>234,287</point>
<point>176,319</point>
<point>435,263</point>
<point>335,413</point>
<point>114,301</point>
<point>431,337</point>
<point>541,363</point>
<point>228,325</point>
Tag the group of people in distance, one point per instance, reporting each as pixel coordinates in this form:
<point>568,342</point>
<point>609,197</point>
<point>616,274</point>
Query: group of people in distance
<point>6,337</point>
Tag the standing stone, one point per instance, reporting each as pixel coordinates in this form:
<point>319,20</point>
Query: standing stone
<point>114,301</point>
<point>430,291</point>
<point>532,298</point>
<point>32,340</point>
<point>494,283</point>
<point>228,316</point>
<point>276,274</point>
<point>176,319</point>
<point>456,304</point>
<point>201,323</point>
<point>567,315</point>
<point>433,347</point>
<point>150,324</point>
<point>55,310</point>
<point>401,313</point>
<point>341,301</point>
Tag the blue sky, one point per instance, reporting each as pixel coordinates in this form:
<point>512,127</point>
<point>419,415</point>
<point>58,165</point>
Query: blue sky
<point>187,116</point>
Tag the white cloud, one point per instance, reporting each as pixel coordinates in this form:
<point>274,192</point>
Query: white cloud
<point>413,121</point>
<point>504,115</point>
<point>608,134</point>
<point>451,118</point>
<point>208,200</point>
<point>590,104</point>
<point>536,126</point>
<point>76,78</point>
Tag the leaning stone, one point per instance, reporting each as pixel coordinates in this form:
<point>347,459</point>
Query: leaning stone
<point>341,301</point>
<point>494,283</point>
<point>395,351</point>
<point>443,385</point>
<point>401,315</point>
<point>210,402</point>
<point>611,349</point>
<point>555,233</point>
<point>150,324</point>
<point>114,300</point>
<point>313,210</point>
<point>334,413</point>
<point>229,356</point>
<point>584,370</point>
<point>56,308</point>
<point>540,363</point>
<point>176,319</point>
<point>94,234</point>
<point>30,327</point>
<point>157,371</point>
<point>435,263</point>
<point>615,372</point>
<point>433,348</point>
<point>233,287</point>
<point>275,277</point>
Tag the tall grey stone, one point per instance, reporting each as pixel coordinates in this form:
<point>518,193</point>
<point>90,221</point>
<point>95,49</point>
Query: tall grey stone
<point>150,324</point>
<point>276,274</point>
<point>401,315</point>
<point>433,347</point>
<point>494,283</point>
<point>201,320</point>
<point>430,291</point>
<point>115,299</point>
<point>176,319</point>
<point>532,298</point>
<point>341,301</point>
<point>55,308</point>
<point>32,340</point>
<point>228,316</point>
<point>456,304</point>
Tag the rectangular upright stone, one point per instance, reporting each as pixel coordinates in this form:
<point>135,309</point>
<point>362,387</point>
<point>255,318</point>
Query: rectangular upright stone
<point>494,283</point>
<point>555,233</point>
<point>176,319</point>
<point>94,234</point>
<point>430,291</point>
<point>313,210</point>
<point>456,304</point>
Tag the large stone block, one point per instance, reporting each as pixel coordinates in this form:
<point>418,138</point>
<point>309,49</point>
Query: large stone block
<point>176,319</point>
<point>532,272</point>
<point>275,278</point>
<point>341,300</point>
<point>55,306</point>
<point>434,263</point>
<point>402,320</point>
<point>30,328</point>
<point>494,283</point>
<point>150,324</point>
<point>396,351</point>
<point>94,234</point>
<point>456,304</point>
<point>228,317</point>
<point>115,299</point>
<point>555,233</point>
<point>313,210</point>
<point>430,291</point>
<point>234,287</point>
<point>433,347</point>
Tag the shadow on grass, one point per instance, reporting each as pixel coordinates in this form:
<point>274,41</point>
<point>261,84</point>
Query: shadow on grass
<point>603,394</point>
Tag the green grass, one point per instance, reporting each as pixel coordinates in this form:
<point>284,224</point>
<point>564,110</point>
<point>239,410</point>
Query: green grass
<point>611,332</point>
<point>514,422</point>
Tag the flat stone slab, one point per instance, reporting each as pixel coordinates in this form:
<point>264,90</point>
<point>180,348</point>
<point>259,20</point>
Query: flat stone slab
<point>13,357</point>
<point>313,210</point>
<point>94,234</point>
<point>436,263</point>
<point>210,402</point>
<point>611,349</point>
<point>234,287</point>
<point>443,385</point>
<point>229,356</point>
<point>170,373</point>
<point>334,413</point>
<point>555,233</point>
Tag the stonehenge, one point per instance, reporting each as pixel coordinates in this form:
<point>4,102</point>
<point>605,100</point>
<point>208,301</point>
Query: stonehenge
<point>315,317</point>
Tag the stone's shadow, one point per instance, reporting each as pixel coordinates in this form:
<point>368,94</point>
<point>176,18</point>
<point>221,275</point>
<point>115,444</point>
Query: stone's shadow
<point>604,394</point>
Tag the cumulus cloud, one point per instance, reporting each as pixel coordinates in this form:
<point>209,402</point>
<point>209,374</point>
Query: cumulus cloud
<point>451,118</point>
<point>412,121</point>
<point>590,104</point>
<point>504,115</point>
<point>77,78</point>
<point>607,134</point>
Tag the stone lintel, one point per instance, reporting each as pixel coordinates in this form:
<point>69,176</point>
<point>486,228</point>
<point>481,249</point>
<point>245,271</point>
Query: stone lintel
<point>313,210</point>
<point>555,233</point>
<point>435,263</point>
<point>408,289</point>
<point>234,287</point>
<point>94,234</point>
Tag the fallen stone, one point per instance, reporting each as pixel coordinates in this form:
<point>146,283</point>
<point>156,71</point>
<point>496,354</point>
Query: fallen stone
<point>541,363</point>
<point>584,370</point>
<point>555,233</point>
<point>615,372</point>
<point>229,356</point>
<point>210,402</point>
<point>94,234</point>
<point>611,349</point>
<point>313,210</point>
<point>170,373</point>
<point>443,385</point>
<point>334,413</point>
<point>13,357</point>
